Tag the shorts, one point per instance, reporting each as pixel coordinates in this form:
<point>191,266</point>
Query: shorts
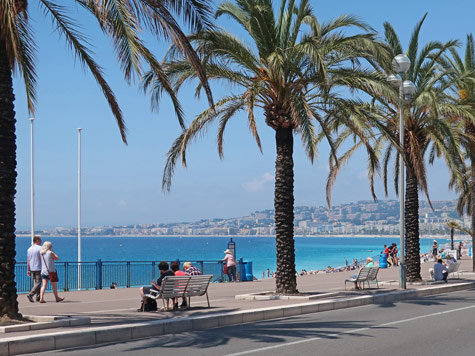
<point>45,276</point>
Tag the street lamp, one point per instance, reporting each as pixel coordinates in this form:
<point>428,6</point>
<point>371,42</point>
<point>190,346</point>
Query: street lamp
<point>79,208</point>
<point>32,181</point>
<point>401,64</point>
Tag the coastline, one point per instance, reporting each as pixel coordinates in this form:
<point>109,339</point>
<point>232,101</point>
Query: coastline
<point>456,237</point>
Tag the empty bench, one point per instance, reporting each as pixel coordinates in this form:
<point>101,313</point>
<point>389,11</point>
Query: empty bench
<point>181,287</point>
<point>365,275</point>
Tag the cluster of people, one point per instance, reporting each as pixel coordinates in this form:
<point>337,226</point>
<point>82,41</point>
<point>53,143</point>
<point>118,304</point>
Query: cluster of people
<point>391,252</point>
<point>269,274</point>
<point>440,271</point>
<point>40,266</point>
<point>168,270</point>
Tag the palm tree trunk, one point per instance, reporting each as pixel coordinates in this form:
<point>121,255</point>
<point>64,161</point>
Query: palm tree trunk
<point>411,218</point>
<point>8,296</point>
<point>472,199</point>
<point>452,238</point>
<point>286,281</point>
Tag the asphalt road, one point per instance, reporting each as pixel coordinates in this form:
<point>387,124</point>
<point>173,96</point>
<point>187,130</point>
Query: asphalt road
<point>438,325</point>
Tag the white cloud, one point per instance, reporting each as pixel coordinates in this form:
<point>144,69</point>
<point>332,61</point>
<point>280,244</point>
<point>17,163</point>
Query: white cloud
<point>122,203</point>
<point>258,183</point>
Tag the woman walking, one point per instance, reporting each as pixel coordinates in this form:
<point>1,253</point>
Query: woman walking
<point>48,271</point>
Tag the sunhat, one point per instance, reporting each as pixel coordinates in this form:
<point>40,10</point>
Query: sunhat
<point>227,251</point>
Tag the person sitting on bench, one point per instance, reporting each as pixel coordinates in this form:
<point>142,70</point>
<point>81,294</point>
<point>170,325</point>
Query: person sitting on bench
<point>164,272</point>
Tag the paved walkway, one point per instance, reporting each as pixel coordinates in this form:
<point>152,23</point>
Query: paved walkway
<point>117,308</point>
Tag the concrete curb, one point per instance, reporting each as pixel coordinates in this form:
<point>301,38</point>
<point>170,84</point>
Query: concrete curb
<point>46,322</point>
<point>102,335</point>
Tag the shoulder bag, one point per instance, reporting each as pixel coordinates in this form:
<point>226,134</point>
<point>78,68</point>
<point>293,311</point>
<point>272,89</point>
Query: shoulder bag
<point>53,276</point>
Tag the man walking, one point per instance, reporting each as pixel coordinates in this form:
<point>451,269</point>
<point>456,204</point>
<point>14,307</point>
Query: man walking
<point>34,268</point>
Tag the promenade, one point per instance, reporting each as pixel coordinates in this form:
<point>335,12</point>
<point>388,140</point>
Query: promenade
<point>114,317</point>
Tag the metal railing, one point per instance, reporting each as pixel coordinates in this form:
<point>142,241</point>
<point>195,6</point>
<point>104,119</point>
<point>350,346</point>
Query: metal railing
<point>123,274</point>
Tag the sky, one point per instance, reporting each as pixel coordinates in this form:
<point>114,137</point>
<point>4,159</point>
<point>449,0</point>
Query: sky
<point>121,184</point>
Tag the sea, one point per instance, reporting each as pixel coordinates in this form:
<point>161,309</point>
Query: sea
<point>311,253</point>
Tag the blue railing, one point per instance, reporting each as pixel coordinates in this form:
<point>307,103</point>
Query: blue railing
<point>124,274</point>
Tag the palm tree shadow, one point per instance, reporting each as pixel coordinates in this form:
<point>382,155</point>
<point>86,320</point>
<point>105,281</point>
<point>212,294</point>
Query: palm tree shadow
<point>267,332</point>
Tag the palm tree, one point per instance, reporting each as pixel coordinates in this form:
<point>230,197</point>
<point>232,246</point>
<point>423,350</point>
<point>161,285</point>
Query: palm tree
<point>291,71</point>
<point>452,225</point>
<point>121,21</point>
<point>462,73</point>
<point>427,130</point>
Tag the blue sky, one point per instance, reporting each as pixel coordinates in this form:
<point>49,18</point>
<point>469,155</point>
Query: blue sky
<point>122,184</point>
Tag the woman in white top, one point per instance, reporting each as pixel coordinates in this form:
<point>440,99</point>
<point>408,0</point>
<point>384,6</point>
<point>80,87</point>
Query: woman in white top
<point>47,265</point>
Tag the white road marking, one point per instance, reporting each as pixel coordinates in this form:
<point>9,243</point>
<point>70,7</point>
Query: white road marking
<point>349,332</point>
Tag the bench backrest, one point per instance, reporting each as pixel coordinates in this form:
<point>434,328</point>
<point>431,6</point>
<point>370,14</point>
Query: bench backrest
<point>373,273</point>
<point>174,286</point>
<point>198,285</point>
<point>453,267</point>
<point>363,274</point>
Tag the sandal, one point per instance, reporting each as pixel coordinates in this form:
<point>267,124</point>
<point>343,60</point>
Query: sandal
<point>59,300</point>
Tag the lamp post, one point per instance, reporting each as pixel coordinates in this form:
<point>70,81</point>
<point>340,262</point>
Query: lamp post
<point>401,64</point>
<point>79,208</point>
<point>32,182</point>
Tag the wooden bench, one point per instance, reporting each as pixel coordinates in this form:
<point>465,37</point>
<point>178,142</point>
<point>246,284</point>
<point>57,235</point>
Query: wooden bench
<point>366,274</point>
<point>181,287</point>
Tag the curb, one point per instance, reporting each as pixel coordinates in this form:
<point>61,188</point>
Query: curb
<point>46,322</point>
<point>109,334</point>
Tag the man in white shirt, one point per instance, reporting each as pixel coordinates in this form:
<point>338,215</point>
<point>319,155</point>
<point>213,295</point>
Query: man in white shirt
<point>33,264</point>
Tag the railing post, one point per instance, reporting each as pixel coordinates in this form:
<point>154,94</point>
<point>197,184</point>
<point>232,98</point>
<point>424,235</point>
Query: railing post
<point>128,274</point>
<point>66,275</point>
<point>241,269</point>
<point>202,266</point>
<point>99,274</point>
<point>153,270</point>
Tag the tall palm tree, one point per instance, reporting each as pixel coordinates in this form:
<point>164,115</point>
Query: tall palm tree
<point>428,130</point>
<point>121,21</point>
<point>462,74</point>
<point>291,71</point>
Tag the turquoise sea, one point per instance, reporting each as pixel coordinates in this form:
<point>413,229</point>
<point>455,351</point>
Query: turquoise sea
<point>310,252</point>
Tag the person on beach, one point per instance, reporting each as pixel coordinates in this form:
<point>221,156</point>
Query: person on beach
<point>48,269</point>
<point>231,265</point>
<point>191,270</point>
<point>459,250</point>
<point>435,248</point>
<point>33,265</point>
<point>439,272</point>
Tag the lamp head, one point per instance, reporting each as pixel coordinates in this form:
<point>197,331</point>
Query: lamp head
<point>401,63</point>
<point>395,80</point>
<point>408,87</point>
